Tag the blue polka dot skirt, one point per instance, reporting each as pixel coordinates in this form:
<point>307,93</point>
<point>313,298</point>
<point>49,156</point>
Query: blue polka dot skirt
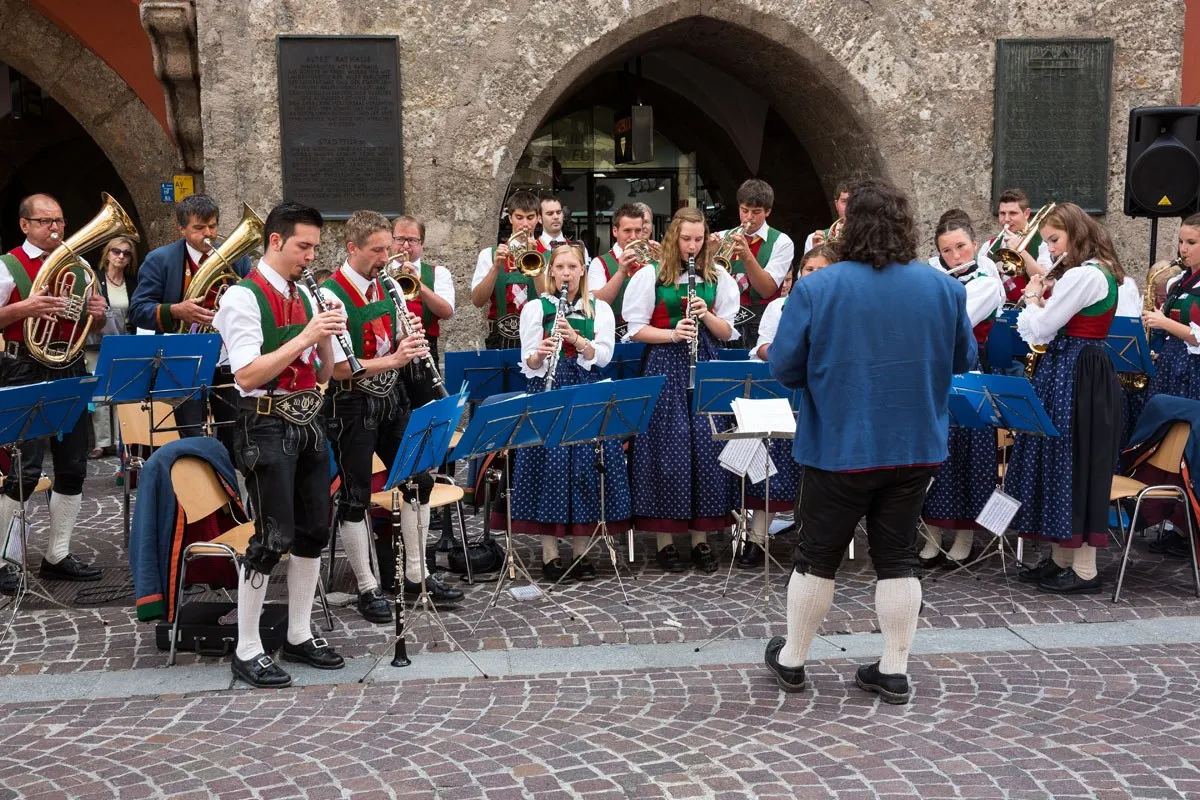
<point>965,481</point>
<point>784,484</point>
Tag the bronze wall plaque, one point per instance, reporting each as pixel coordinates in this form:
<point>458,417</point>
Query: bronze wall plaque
<point>339,123</point>
<point>1051,120</point>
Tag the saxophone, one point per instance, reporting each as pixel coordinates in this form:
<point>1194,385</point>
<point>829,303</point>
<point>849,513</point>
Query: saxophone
<point>556,337</point>
<point>1137,381</point>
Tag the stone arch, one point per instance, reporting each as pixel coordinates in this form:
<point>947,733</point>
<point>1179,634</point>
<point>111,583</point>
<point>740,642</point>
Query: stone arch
<point>107,108</point>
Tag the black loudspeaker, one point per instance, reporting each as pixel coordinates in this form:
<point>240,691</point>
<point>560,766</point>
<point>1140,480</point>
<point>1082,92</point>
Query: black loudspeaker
<point>1162,162</point>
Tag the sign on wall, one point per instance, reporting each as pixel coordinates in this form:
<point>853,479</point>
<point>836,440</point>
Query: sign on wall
<point>339,123</point>
<point>1051,120</point>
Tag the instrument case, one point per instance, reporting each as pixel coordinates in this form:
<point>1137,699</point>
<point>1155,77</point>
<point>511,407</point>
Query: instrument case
<point>201,632</point>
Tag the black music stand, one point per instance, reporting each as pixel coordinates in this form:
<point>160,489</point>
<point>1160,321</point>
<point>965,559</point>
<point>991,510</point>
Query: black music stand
<point>142,369</point>
<point>28,413</point>
<point>521,421</point>
<point>598,413</point>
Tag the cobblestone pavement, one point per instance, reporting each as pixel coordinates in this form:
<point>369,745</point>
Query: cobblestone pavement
<point>1112,723</point>
<point>663,607</point>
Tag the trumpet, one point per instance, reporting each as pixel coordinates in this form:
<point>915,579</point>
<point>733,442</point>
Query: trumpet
<point>401,291</point>
<point>1009,261</point>
<point>310,281</point>
<point>407,283</point>
<point>559,315</point>
<point>724,256</point>
<point>642,252</point>
<point>695,343</point>
<point>522,249</point>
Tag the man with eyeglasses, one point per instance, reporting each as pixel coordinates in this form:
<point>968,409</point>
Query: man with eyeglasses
<point>158,306</point>
<point>44,228</point>
<point>434,304</point>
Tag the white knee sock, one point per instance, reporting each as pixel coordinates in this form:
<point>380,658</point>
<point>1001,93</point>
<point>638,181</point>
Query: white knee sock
<point>356,539</point>
<point>962,545</point>
<point>549,548</point>
<point>252,593</point>
<point>760,526</point>
<point>699,537</point>
<point>64,513</point>
<point>663,540</point>
<point>578,545</point>
<point>1085,562</point>
<point>897,604</point>
<point>1062,556</point>
<point>809,599</point>
<point>414,545</point>
<point>933,541</point>
<point>303,574</point>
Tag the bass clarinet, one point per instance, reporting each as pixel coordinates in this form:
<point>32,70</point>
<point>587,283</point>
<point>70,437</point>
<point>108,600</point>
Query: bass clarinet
<point>695,343</point>
<point>356,369</point>
<point>559,315</point>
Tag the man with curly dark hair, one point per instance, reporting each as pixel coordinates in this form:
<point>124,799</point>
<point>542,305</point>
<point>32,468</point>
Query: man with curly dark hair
<point>873,342</point>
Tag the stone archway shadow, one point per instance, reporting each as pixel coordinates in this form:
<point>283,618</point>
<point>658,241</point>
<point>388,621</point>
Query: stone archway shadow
<point>110,112</point>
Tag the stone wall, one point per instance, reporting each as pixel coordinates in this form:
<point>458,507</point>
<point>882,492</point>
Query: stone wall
<point>899,89</point>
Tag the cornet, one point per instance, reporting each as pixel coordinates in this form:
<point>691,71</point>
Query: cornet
<point>522,249</point>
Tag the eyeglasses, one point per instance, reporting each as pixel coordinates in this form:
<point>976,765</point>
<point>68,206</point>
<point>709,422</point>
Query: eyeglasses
<point>47,222</point>
<point>409,240</point>
<point>116,251</point>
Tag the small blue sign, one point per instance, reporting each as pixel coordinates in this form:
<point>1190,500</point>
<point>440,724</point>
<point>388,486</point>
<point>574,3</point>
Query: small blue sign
<point>166,191</point>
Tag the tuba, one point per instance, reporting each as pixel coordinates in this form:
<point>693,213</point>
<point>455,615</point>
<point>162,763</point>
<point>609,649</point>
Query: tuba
<point>1010,261</point>
<point>724,254</point>
<point>522,249</point>
<point>57,342</point>
<point>211,280</point>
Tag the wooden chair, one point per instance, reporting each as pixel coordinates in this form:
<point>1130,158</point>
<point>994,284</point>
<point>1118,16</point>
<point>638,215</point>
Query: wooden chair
<point>1168,457</point>
<point>199,493</point>
<point>135,425</point>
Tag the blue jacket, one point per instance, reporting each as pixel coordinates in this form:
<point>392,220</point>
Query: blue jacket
<point>156,533</point>
<point>874,351</point>
<point>160,283</point>
<point>1160,411</point>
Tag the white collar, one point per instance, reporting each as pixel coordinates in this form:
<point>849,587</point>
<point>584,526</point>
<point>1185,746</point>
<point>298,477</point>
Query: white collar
<point>274,278</point>
<point>547,238</point>
<point>356,280</point>
<point>193,253</point>
<point>617,250</point>
<point>32,250</point>
<point>554,299</point>
<point>761,232</point>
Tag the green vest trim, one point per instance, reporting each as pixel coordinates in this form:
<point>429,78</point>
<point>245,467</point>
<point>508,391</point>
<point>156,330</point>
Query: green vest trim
<point>502,282</point>
<point>584,326</point>
<point>982,274</point>
<point>358,317</point>
<point>763,256</point>
<point>427,317</point>
<point>1102,306</point>
<point>19,275</point>
<point>274,336</point>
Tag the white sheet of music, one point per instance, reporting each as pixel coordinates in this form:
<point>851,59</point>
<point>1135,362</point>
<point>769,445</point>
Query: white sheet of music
<point>764,416</point>
<point>747,457</point>
<point>998,512</point>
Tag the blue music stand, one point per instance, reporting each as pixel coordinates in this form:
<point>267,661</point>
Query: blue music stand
<point>626,361</point>
<point>963,413</point>
<point>28,413</point>
<point>486,372</point>
<point>1005,401</point>
<point>733,354</point>
<point>719,383</point>
<point>1128,347</point>
<point>600,412</point>
<point>1004,344</point>
<point>521,421</point>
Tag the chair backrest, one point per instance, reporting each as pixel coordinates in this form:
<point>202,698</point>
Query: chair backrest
<point>377,465</point>
<point>1004,438</point>
<point>135,423</point>
<point>197,488</point>
<point>1170,450</point>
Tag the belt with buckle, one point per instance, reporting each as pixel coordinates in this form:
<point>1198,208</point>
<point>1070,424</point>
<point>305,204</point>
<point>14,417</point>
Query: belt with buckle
<point>298,408</point>
<point>380,384</point>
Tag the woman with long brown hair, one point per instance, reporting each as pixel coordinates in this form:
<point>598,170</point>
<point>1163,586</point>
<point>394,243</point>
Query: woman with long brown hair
<point>676,482</point>
<point>117,276</point>
<point>1063,481</point>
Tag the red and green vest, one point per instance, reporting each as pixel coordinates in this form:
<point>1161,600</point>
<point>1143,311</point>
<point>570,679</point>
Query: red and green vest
<point>1094,321</point>
<point>24,270</point>
<point>282,320</point>
<point>507,281</point>
<point>609,260</point>
<point>670,302</point>
<point>1186,307</point>
<point>984,328</point>
<point>584,326</point>
<point>417,306</point>
<point>361,316</point>
<point>762,249</point>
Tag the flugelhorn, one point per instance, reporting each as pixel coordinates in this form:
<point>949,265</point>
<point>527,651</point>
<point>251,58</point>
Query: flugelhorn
<point>1009,261</point>
<point>57,342</point>
<point>724,256</point>
<point>522,249</point>
<point>210,282</point>
<point>407,283</point>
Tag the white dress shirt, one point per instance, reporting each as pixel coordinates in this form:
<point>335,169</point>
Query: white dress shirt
<point>443,282</point>
<point>7,283</point>
<point>596,277</point>
<point>382,345</point>
<point>240,324</point>
<point>1129,299</point>
<point>985,296</point>
<point>1076,290</point>
<point>639,302</point>
<point>193,253</point>
<point>782,254</point>
<point>532,334</point>
<point>768,325</point>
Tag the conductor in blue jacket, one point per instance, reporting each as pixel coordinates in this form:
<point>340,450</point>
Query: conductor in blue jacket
<point>158,305</point>
<point>873,342</point>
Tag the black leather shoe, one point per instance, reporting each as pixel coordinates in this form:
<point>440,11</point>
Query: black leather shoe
<point>890,688</point>
<point>790,679</point>
<point>1171,543</point>
<point>261,672</point>
<point>438,590</point>
<point>751,556</point>
<point>315,652</point>
<point>930,563</point>
<point>669,560</point>
<point>556,570</point>
<point>374,607</point>
<point>1067,582</point>
<point>583,571</point>
<point>69,569</point>
<point>955,563</point>
<point>704,559</point>
<point>10,579</point>
<point>1045,570</point>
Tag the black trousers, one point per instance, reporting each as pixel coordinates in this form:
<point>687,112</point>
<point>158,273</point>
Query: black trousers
<point>830,504</point>
<point>69,453</point>
<point>287,474</point>
<point>418,382</point>
<point>222,403</point>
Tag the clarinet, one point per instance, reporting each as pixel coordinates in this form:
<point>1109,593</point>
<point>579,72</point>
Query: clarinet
<point>397,295</point>
<point>560,314</point>
<point>695,343</point>
<point>356,368</point>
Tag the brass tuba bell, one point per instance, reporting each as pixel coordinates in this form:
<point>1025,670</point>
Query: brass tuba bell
<point>211,280</point>
<point>65,274</point>
<point>522,249</point>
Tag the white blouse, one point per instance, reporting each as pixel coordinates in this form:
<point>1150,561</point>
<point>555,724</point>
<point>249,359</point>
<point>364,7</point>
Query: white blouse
<point>985,296</point>
<point>1078,288</point>
<point>768,325</point>
<point>638,305</point>
<point>532,335</point>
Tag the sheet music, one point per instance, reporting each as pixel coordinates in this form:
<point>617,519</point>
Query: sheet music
<point>998,512</point>
<point>748,458</point>
<point>12,550</point>
<point>764,416</point>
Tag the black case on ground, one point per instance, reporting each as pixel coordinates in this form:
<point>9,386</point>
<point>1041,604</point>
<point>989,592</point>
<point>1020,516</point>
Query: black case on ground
<point>200,632</point>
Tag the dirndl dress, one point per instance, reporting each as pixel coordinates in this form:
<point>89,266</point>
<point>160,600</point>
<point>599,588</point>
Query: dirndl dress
<point>556,490</point>
<point>785,484</point>
<point>965,480</point>
<point>676,482</point>
<point>1063,481</point>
